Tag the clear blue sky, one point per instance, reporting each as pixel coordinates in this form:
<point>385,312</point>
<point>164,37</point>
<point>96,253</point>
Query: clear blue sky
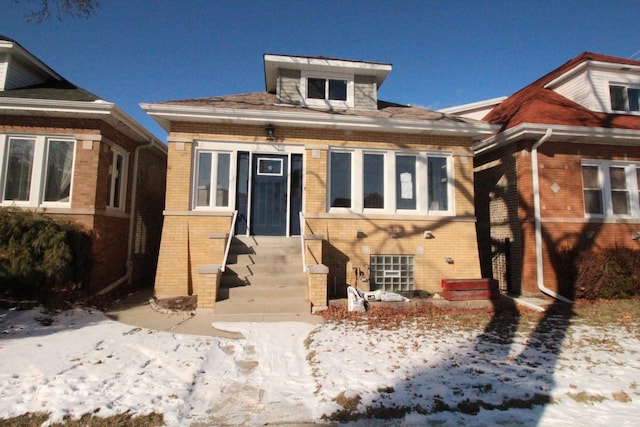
<point>444,53</point>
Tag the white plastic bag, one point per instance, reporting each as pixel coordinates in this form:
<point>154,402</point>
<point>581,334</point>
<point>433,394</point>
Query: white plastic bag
<point>392,297</point>
<point>355,300</point>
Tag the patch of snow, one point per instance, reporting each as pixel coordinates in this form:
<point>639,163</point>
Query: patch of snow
<point>78,361</point>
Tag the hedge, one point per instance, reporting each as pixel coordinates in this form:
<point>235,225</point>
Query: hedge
<point>40,255</point>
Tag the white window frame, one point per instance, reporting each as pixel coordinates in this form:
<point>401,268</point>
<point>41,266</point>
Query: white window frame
<point>604,179</point>
<point>421,182</point>
<point>38,171</point>
<point>328,103</point>
<point>115,151</point>
<point>386,184</point>
<point>355,204</point>
<point>214,177</point>
<point>626,87</point>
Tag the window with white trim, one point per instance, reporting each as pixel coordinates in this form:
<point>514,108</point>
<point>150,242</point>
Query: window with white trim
<point>117,181</point>
<point>212,179</point>
<point>624,98</point>
<point>328,90</point>
<point>373,181</point>
<point>362,181</point>
<point>611,188</point>
<point>340,179</point>
<point>36,170</point>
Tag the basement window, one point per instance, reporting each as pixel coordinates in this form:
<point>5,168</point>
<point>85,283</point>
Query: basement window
<point>392,273</point>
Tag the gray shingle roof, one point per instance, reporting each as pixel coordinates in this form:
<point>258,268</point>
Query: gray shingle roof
<point>52,90</point>
<point>265,101</point>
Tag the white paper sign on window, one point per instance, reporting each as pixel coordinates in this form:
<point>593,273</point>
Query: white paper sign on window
<point>406,185</point>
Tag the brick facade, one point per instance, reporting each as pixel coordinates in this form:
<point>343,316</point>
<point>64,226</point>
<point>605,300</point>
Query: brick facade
<point>504,199</point>
<point>186,247</point>
<point>109,228</point>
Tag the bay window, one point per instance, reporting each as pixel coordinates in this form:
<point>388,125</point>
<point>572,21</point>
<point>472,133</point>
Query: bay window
<point>36,171</point>
<point>19,169</point>
<point>59,168</point>
<point>611,188</point>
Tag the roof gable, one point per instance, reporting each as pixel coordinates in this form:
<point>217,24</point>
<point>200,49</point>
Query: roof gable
<point>544,100</point>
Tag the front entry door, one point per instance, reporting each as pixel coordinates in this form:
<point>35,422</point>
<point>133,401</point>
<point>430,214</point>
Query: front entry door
<point>269,195</point>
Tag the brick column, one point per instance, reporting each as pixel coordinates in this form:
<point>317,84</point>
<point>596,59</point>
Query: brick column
<point>207,287</point>
<point>317,283</point>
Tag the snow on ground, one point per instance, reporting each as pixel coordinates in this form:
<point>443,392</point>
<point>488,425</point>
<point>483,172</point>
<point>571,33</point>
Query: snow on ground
<point>77,362</point>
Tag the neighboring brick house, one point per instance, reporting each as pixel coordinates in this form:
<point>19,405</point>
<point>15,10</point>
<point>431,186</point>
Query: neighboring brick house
<point>562,175</point>
<point>385,189</point>
<point>66,152</point>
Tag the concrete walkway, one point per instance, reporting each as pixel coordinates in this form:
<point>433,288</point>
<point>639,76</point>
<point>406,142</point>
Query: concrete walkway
<point>135,310</point>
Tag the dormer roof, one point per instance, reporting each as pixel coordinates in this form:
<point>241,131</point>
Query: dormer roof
<point>273,62</point>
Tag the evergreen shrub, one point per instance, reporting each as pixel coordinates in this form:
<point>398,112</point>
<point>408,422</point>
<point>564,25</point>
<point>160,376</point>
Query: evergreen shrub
<point>40,255</point>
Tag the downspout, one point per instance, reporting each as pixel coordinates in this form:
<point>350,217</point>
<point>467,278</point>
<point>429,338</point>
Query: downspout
<point>128,276</point>
<point>537,219</point>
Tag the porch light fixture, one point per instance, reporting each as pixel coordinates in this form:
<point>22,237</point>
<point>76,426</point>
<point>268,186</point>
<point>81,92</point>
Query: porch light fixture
<point>360,234</point>
<point>271,132</point>
<point>635,235</point>
<point>429,235</point>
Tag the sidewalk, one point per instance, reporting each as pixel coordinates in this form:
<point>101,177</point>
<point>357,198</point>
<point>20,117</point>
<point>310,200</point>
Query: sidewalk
<point>135,310</point>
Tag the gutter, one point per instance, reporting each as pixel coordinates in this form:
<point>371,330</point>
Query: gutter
<point>538,222</point>
<point>163,114</point>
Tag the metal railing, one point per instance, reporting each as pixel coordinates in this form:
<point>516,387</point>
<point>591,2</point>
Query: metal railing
<point>304,252</point>
<point>231,234</point>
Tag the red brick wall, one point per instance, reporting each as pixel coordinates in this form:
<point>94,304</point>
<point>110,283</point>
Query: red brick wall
<point>110,229</point>
<point>564,226</point>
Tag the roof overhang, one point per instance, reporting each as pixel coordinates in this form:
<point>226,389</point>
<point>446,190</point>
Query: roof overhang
<point>164,114</point>
<point>570,134</point>
<point>101,110</point>
<point>273,62</point>
<point>14,48</point>
<point>591,64</point>
<point>485,105</point>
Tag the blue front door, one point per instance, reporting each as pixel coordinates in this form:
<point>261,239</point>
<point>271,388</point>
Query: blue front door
<point>269,195</point>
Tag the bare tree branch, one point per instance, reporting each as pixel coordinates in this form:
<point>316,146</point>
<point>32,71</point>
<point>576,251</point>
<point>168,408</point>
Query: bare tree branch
<point>45,9</point>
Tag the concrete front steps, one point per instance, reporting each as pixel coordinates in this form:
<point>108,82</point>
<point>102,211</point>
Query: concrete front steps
<point>263,281</point>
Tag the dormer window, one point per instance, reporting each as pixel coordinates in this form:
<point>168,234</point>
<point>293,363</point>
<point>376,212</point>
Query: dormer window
<point>624,98</point>
<point>333,91</point>
<point>327,89</point>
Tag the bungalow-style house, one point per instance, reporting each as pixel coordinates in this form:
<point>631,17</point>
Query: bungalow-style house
<point>75,156</point>
<point>562,175</point>
<point>378,194</point>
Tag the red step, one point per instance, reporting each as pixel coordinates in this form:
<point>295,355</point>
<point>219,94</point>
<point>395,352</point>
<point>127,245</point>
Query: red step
<point>469,289</point>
